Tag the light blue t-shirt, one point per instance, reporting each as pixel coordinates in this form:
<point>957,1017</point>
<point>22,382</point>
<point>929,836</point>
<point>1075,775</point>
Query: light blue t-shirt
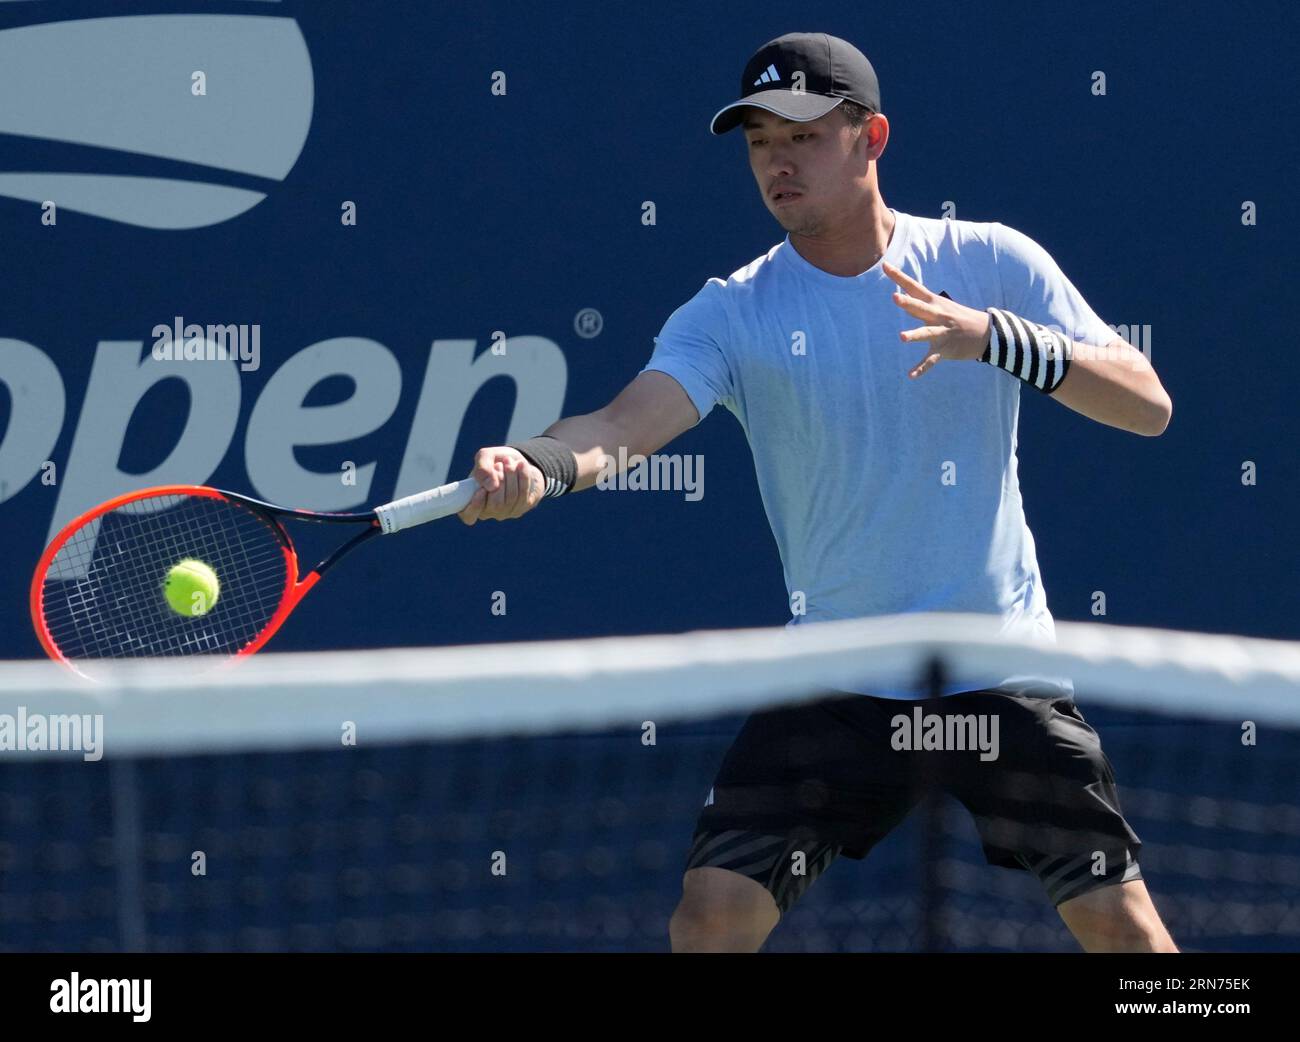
<point>886,495</point>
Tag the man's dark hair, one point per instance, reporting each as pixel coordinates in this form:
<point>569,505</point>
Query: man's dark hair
<point>856,114</point>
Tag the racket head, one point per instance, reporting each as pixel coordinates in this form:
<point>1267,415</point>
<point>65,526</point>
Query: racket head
<point>97,592</point>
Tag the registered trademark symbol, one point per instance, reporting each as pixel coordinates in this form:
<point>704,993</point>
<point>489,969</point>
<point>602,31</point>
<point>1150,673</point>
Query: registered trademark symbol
<point>587,323</point>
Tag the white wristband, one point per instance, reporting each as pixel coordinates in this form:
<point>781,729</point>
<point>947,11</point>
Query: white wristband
<point>1028,351</point>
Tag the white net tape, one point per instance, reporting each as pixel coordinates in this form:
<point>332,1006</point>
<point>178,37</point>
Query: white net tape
<point>291,701</point>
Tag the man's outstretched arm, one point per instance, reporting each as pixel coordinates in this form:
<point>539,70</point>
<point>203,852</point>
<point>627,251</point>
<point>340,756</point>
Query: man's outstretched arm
<point>1113,384</point>
<point>647,414</point>
<point>1116,386</point>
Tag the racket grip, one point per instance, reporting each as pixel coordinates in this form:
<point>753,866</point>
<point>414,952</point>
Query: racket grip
<point>426,506</point>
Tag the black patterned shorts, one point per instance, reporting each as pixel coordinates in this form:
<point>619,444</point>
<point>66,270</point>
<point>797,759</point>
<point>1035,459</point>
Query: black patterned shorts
<point>803,784</point>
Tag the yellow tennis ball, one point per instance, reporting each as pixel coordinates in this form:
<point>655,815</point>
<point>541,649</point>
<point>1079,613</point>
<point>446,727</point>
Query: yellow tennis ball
<point>191,588</point>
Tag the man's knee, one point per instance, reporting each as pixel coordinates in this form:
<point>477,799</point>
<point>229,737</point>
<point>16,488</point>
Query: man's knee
<point>721,911</point>
<point>1117,918</point>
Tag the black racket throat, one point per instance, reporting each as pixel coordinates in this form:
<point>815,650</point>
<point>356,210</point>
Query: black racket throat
<point>274,514</point>
<point>346,548</point>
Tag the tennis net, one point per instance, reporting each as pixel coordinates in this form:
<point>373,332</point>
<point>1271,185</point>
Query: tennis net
<point>542,797</point>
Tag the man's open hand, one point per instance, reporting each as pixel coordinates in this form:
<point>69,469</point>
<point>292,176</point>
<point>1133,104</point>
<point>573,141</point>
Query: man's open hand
<point>952,330</point>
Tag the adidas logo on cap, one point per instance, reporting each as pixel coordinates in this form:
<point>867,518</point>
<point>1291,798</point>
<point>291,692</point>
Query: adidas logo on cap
<point>770,75</point>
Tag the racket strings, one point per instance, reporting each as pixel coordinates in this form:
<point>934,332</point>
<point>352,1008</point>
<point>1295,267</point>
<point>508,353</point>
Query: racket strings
<point>103,597</point>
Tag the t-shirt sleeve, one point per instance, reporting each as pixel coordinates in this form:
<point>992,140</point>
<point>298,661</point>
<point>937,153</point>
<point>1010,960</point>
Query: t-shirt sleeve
<point>691,348</point>
<point>1034,287</point>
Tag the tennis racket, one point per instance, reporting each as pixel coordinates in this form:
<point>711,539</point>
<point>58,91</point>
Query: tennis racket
<point>98,591</point>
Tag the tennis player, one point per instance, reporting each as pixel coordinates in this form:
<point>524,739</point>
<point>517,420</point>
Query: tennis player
<point>875,360</point>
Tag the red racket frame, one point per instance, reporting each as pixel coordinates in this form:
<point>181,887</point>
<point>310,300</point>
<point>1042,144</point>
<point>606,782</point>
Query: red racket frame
<point>299,585</point>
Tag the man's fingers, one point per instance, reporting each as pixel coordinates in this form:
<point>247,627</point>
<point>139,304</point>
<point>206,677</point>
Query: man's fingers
<point>923,333</point>
<point>474,507</point>
<point>910,284</point>
<point>511,498</point>
<point>496,499</point>
<point>925,365</point>
<point>487,471</point>
<point>523,502</point>
<point>509,486</point>
<point>917,308</point>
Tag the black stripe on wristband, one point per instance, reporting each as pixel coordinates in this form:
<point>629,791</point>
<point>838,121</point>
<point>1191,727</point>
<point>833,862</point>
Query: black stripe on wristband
<point>1037,363</point>
<point>556,461</point>
<point>1020,346</point>
<point>1033,353</point>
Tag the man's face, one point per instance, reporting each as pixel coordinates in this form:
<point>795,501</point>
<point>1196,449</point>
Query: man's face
<point>808,173</point>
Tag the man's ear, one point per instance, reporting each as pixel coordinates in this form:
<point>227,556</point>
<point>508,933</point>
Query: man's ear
<point>880,127</point>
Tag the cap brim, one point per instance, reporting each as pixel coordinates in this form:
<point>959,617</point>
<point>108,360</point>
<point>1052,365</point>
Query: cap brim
<point>799,107</point>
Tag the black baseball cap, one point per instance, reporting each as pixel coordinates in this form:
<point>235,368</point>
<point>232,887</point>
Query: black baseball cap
<point>833,70</point>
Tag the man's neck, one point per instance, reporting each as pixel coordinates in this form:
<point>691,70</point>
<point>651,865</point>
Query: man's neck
<point>853,246</point>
